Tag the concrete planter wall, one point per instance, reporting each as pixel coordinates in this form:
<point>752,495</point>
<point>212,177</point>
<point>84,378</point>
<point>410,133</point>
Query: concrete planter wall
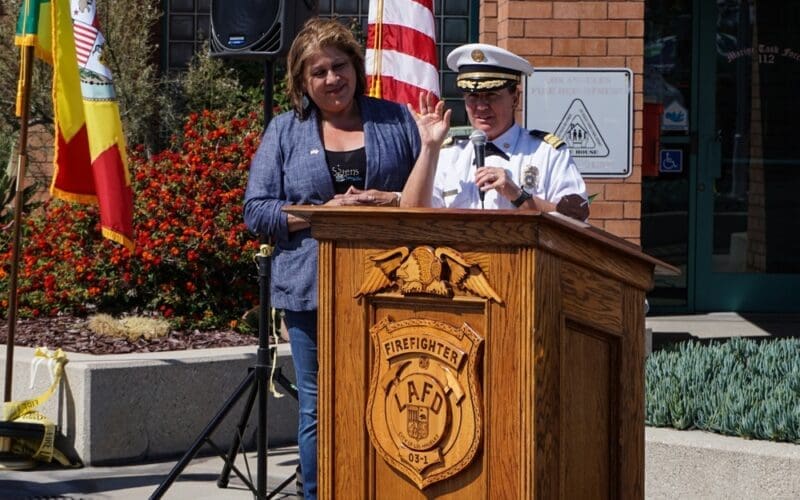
<point>695,464</point>
<point>138,407</point>
<point>127,408</point>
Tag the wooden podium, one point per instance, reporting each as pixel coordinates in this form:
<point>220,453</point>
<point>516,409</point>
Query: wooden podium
<point>478,355</point>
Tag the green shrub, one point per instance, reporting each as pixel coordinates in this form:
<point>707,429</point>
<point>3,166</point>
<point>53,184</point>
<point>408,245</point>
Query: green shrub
<point>152,104</point>
<point>131,53</point>
<point>739,387</point>
<point>193,262</point>
<point>8,190</point>
<point>230,86</point>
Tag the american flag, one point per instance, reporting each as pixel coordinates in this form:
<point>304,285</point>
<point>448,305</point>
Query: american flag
<point>401,50</point>
<point>85,38</point>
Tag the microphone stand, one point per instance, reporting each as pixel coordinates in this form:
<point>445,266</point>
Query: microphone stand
<point>257,378</point>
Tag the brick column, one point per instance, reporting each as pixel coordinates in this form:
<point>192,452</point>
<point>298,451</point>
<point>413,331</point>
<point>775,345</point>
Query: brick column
<point>583,34</point>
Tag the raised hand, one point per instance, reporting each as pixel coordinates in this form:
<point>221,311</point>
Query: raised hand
<point>433,122</point>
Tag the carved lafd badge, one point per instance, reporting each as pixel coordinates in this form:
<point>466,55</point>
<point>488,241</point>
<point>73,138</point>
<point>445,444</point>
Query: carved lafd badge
<point>424,408</point>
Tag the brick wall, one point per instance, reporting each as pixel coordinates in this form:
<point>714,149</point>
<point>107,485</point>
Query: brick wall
<point>582,34</point>
<point>39,168</point>
<point>40,155</point>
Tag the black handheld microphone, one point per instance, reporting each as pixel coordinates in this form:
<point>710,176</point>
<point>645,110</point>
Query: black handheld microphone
<point>478,139</point>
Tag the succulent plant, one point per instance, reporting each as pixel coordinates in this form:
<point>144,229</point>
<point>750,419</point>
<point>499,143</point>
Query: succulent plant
<point>739,387</point>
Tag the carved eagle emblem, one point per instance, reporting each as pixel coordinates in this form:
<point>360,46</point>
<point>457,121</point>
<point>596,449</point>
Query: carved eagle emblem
<point>425,270</point>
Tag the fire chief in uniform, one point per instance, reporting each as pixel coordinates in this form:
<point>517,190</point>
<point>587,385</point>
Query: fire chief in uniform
<point>523,169</point>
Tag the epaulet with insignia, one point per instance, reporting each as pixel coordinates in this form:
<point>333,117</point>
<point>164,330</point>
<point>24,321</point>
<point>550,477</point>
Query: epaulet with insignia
<point>549,138</point>
<point>453,139</point>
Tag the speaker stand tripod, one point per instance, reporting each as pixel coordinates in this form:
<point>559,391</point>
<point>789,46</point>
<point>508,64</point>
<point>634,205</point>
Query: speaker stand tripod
<point>257,380</point>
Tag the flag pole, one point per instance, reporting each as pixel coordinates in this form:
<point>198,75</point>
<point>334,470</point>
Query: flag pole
<point>26,71</point>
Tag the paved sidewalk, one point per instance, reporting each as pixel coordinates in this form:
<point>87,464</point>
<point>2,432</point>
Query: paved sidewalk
<point>667,330</point>
<point>197,482</point>
<point>725,325</point>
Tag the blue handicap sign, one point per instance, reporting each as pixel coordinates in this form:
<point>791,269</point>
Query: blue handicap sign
<point>671,161</point>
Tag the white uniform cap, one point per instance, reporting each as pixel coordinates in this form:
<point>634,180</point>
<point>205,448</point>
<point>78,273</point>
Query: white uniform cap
<point>483,67</point>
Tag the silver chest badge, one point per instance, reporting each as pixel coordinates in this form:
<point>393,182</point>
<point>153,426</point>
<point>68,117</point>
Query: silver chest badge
<point>530,177</point>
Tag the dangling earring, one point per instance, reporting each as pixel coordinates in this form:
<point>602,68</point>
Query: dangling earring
<point>305,101</point>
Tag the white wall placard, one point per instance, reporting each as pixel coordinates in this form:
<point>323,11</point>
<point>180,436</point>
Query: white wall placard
<point>591,109</point>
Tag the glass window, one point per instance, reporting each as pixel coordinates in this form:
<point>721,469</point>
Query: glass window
<point>449,88</point>
<point>181,27</point>
<point>181,5</point>
<point>455,31</point>
<point>180,54</point>
<point>188,26</point>
<point>346,7</point>
<point>665,195</point>
<point>755,191</point>
<point>203,27</point>
<point>455,8</point>
<point>667,62</point>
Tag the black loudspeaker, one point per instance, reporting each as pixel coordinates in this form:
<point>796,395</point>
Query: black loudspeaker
<point>253,29</point>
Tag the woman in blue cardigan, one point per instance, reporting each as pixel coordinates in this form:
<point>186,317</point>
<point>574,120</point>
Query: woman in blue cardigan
<point>336,147</point>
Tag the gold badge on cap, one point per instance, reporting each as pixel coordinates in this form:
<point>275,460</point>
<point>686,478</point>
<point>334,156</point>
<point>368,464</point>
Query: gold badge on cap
<point>478,55</point>
<point>530,177</point>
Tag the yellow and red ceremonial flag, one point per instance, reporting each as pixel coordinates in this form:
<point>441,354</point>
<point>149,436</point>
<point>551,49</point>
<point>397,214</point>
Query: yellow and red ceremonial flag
<point>91,163</point>
<point>401,50</point>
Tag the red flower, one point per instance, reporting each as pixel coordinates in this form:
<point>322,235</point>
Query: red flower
<point>190,262</point>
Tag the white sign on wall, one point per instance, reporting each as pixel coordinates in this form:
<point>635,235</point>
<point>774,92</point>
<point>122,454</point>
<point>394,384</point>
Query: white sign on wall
<point>591,109</point>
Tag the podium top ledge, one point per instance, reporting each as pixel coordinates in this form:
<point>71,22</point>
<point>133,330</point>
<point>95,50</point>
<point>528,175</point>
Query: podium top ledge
<point>460,226</point>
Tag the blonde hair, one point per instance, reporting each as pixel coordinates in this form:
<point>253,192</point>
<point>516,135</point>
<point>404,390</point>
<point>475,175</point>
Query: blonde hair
<point>319,33</point>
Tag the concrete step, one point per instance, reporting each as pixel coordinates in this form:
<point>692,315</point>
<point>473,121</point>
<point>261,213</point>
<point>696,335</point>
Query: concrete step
<point>127,408</point>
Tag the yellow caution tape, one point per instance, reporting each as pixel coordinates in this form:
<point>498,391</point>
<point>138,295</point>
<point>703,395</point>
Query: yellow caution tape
<point>25,412</point>
<point>276,328</point>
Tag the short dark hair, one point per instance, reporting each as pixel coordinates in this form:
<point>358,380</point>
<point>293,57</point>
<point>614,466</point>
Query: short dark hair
<point>319,33</point>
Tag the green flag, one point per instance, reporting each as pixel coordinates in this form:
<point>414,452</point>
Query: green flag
<point>34,27</point>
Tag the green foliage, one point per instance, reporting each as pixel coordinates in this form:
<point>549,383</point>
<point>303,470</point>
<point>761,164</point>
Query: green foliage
<point>8,189</point>
<point>192,262</point>
<point>131,54</point>
<point>739,387</point>
<point>153,106</point>
<point>233,87</point>
<point>193,259</point>
<point>208,83</point>
<point>8,148</point>
<point>41,105</point>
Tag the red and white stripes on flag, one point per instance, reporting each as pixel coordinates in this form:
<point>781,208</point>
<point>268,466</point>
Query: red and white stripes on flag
<point>85,38</point>
<point>401,50</point>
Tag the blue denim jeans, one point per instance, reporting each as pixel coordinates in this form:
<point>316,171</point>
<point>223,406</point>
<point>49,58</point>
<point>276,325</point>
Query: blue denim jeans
<point>302,328</point>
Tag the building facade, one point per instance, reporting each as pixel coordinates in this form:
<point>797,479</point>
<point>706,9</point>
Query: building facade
<point>714,172</point>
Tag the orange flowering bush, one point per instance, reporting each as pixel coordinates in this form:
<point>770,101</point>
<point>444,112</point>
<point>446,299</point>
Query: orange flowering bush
<point>193,262</point>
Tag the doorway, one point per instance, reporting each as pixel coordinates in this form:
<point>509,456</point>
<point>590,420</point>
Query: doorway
<point>725,77</point>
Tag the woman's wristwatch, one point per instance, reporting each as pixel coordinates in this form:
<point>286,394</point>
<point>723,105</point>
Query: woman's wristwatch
<point>522,198</point>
